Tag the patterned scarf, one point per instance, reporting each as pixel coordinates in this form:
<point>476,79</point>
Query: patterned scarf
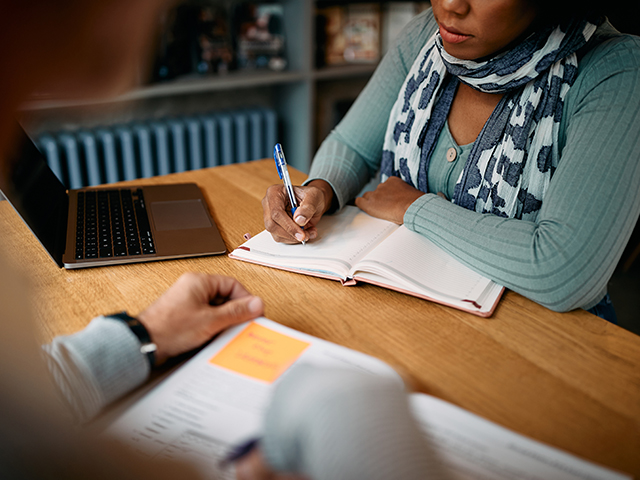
<point>516,153</point>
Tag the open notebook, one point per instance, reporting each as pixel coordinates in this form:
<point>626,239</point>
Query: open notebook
<point>353,246</point>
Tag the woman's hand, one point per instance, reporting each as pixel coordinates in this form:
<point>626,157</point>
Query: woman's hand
<point>313,201</point>
<point>194,309</point>
<point>390,200</point>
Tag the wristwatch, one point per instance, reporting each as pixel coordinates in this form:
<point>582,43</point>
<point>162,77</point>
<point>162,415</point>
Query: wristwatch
<point>147,347</point>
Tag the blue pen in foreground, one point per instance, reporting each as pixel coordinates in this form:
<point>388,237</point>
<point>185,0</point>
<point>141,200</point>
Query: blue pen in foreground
<point>240,451</point>
<point>283,173</point>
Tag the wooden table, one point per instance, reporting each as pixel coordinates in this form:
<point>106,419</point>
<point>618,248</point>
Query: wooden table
<point>570,380</point>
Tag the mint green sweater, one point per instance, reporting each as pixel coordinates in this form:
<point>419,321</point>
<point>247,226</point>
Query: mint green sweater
<point>565,258</point>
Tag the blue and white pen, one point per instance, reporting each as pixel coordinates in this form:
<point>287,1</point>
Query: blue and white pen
<point>283,173</point>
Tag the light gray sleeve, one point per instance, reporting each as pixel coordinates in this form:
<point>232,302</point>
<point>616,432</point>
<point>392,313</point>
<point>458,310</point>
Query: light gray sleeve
<point>332,424</point>
<point>96,366</point>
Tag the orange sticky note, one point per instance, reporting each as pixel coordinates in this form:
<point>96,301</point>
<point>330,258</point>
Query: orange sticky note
<point>260,353</point>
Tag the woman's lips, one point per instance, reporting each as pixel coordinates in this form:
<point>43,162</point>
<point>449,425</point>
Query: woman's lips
<point>452,36</point>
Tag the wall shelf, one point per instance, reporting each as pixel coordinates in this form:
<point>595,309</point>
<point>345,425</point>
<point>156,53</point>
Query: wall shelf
<point>181,86</point>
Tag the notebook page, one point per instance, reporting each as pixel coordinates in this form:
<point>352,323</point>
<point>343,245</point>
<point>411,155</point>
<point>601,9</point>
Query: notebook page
<point>343,239</point>
<point>410,260</point>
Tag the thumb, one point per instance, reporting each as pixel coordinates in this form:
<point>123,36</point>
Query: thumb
<point>239,310</point>
<point>305,212</point>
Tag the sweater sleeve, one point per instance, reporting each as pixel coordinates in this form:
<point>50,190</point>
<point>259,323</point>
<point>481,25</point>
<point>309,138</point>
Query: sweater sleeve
<point>565,259</point>
<point>96,366</point>
<point>338,424</point>
<point>351,154</point>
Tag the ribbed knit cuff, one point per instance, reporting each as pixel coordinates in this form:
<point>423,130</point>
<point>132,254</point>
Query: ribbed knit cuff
<point>97,365</point>
<point>417,211</point>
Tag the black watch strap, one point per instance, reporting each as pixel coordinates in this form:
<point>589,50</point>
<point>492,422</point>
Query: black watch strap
<point>147,347</point>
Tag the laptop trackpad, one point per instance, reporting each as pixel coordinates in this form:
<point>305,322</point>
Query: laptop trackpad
<point>179,215</point>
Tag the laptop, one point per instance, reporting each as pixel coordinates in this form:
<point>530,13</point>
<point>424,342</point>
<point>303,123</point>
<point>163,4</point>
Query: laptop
<point>94,227</point>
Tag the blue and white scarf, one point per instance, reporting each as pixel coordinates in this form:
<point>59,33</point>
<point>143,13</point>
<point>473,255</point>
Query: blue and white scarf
<point>516,153</point>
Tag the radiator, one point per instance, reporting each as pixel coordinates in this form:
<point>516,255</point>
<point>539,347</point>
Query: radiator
<point>144,149</point>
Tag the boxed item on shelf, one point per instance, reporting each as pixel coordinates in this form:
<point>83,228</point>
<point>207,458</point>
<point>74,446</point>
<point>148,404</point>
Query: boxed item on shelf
<point>214,52</point>
<point>330,35</point>
<point>195,38</point>
<point>348,34</point>
<point>362,33</point>
<point>396,15</point>
<point>259,36</point>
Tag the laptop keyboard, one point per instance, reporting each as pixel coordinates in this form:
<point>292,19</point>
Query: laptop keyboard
<point>112,223</point>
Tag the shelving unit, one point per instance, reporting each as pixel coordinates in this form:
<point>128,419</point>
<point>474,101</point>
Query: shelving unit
<point>292,93</point>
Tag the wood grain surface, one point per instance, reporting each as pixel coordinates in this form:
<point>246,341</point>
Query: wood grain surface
<point>570,380</point>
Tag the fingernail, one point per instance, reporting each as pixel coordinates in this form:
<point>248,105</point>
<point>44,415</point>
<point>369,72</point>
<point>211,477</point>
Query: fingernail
<point>300,220</point>
<point>312,235</point>
<point>255,305</point>
<point>300,236</point>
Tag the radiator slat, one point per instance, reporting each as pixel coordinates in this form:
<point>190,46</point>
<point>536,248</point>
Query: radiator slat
<point>257,134</point>
<point>162,147</point>
<point>179,146</point>
<point>72,156</point>
<point>271,131</point>
<point>88,142</point>
<point>194,129</point>
<point>211,143</point>
<point>145,151</point>
<point>108,146</point>
<point>127,153</point>
<point>227,153</point>
<point>242,137</point>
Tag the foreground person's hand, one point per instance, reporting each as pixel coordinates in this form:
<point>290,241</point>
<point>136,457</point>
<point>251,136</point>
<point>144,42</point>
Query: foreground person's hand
<point>194,309</point>
<point>254,467</point>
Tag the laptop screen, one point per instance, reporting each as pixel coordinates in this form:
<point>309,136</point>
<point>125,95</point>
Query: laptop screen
<point>36,193</point>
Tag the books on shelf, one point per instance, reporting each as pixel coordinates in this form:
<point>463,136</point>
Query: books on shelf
<point>259,36</point>
<point>200,37</point>
<point>348,34</point>
<point>330,40</point>
<point>352,246</point>
<point>217,401</point>
<point>360,32</point>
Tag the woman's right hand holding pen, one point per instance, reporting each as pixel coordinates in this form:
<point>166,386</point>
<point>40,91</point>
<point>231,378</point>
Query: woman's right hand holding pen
<point>313,199</point>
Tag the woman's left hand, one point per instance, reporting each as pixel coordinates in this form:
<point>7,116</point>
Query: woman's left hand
<point>390,200</point>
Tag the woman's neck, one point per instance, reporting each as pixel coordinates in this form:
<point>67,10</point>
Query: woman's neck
<point>469,112</point>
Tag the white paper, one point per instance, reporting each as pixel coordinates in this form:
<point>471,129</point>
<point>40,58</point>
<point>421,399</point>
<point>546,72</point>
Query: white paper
<point>472,448</point>
<point>202,411</point>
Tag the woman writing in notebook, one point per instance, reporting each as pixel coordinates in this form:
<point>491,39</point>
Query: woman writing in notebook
<point>506,132</point>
